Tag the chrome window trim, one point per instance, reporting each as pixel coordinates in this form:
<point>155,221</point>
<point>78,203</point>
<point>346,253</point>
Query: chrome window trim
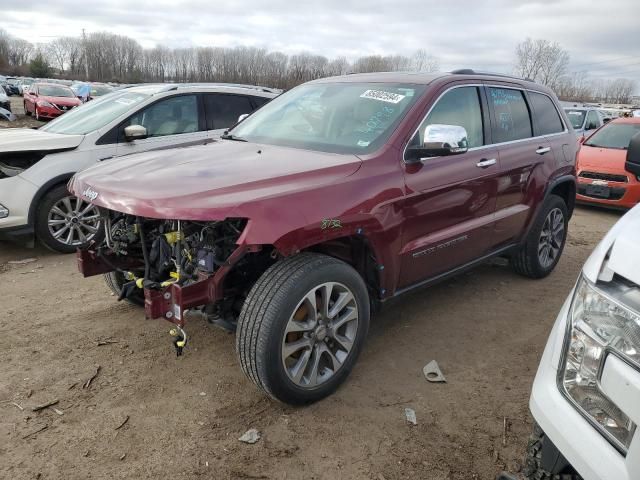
<point>491,145</point>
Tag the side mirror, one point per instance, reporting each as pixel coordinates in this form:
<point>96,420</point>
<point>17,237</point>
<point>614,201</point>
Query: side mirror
<point>439,140</point>
<point>633,155</point>
<point>242,117</point>
<point>606,120</point>
<point>135,132</point>
<point>582,139</point>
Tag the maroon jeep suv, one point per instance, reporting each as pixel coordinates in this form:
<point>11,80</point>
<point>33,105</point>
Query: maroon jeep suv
<point>332,199</point>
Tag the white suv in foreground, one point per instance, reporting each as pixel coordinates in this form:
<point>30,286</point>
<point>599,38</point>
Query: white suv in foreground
<point>35,165</point>
<point>586,394</point>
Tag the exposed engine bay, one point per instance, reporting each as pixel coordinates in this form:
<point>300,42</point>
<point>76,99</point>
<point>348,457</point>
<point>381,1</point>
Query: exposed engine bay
<point>173,266</point>
<point>172,250</point>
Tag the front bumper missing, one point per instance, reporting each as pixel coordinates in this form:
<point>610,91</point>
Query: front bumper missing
<point>172,301</point>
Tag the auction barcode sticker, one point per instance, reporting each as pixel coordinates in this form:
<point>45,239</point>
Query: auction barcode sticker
<point>383,96</point>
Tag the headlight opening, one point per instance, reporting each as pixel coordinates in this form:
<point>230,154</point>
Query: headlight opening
<point>599,326</point>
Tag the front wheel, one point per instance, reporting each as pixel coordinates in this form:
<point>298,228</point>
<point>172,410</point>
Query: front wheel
<point>26,112</point>
<point>36,113</point>
<point>540,253</point>
<point>302,327</point>
<point>65,223</point>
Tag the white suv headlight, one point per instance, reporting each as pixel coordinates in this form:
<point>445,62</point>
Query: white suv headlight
<point>601,324</point>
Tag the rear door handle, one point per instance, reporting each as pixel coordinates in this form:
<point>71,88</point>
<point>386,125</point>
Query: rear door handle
<point>543,150</point>
<point>486,162</point>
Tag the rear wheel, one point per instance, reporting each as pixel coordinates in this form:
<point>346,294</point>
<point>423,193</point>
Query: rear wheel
<point>115,281</point>
<point>540,253</point>
<point>302,327</point>
<point>65,222</point>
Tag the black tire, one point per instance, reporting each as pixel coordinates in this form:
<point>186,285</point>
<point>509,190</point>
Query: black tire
<point>266,313</point>
<point>41,226</point>
<point>526,261</point>
<point>115,281</point>
<point>533,462</point>
<point>26,112</point>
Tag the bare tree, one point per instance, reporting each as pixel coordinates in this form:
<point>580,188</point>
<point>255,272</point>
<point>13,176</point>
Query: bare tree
<point>4,49</point>
<point>19,52</point>
<point>421,61</point>
<point>541,60</point>
<point>108,57</point>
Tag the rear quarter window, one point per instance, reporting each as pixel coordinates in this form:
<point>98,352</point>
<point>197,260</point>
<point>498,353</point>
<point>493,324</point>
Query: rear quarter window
<point>511,120</point>
<point>547,118</point>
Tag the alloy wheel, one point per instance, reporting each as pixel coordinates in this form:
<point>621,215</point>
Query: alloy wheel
<point>72,221</point>
<point>551,238</point>
<point>319,335</point>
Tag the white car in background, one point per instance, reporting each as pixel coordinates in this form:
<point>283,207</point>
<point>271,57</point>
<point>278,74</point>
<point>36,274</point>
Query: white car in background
<point>35,165</point>
<point>586,394</point>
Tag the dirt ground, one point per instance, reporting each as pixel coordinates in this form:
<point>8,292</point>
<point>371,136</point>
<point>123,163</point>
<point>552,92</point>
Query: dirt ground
<point>184,415</point>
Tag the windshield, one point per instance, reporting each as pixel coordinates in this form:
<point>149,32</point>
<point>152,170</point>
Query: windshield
<point>352,118</point>
<point>576,117</point>
<point>55,91</point>
<point>95,114</point>
<point>614,135</point>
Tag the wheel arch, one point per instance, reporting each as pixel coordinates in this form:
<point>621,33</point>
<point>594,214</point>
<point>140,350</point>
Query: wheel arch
<point>565,188</point>
<point>359,252</point>
<point>43,190</point>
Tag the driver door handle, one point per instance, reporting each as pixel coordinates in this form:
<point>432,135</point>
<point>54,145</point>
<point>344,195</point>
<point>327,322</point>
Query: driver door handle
<point>543,150</point>
<point>486,162</point>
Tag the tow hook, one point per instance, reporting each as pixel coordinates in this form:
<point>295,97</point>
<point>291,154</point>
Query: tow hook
<point>180,339</point>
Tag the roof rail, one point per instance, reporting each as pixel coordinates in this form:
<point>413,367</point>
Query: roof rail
<point>175,86</point>
<point>470,71</point>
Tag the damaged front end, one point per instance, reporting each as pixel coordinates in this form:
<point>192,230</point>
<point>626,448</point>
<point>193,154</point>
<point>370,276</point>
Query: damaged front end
<point>175,265</point>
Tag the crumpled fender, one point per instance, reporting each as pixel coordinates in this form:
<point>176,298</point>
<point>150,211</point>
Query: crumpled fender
<point>7,115</point>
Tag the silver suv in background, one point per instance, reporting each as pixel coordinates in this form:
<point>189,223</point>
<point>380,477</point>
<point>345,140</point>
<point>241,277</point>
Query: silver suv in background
<point>35,165</point>
<point>584,120</point>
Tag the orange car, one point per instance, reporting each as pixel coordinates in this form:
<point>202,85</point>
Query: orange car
<point>602,178</point>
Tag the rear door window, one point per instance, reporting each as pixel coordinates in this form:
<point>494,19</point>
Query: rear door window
<point>547,118</point>
<point>222,110</point>
<point>511,119</point>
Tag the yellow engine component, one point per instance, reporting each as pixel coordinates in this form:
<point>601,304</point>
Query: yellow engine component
<point>173,237</point>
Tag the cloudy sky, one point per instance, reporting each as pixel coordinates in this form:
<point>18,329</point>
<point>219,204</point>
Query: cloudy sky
<point>602,37</point>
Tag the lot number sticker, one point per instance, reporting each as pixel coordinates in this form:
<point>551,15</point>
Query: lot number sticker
<point>383,96</point>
